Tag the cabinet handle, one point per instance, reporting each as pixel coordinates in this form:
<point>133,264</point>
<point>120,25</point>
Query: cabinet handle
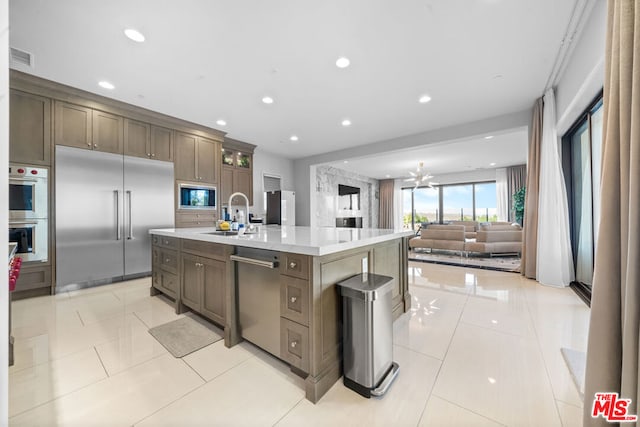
<point>95,145</point>
<point>292,265</point>
<point>166,242</point>
<point>293,299</point>
<point>88,144</point>
<point>167,260</point>
<point>148,154</point>
<point>294,344</point>
<point>199,264</point>
<point>153,154</point>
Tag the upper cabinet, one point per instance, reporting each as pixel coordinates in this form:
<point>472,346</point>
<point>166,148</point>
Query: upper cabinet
<point>108,132</point>
<point>237,174</point>
<point>29,129</point>
<point>83,127</point>
<point>145,140</point>
<point>196,158</point>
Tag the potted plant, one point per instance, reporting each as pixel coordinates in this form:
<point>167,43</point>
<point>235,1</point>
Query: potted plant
<point>518,204</point>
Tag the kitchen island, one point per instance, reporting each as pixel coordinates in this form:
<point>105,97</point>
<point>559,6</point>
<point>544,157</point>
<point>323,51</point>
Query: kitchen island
<point>277,287</point>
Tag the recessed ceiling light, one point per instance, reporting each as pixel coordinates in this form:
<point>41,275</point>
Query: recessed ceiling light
<point>388,176</point>
<point>105,84</point>
<point>342,62</point>
<point>492,164</point>
<point>488,137</point>
<point>346,161</point>
<point>134,35</point>
<point>221,122</point>
<point>346,122</point>
<point>267,100</point>
<point>294,138</point>
<point>424,99</point>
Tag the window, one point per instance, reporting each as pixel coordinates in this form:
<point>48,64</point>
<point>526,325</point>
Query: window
<point>467,202</point>
<point>269,183</point>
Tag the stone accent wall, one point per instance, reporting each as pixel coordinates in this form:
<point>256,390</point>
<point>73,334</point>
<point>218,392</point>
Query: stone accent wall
<point>327,180</point>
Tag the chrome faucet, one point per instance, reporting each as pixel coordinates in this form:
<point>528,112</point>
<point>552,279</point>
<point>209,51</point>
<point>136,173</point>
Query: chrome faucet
<point>246,199</point>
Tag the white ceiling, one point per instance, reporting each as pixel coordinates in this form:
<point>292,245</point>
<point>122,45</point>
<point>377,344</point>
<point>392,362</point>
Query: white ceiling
<point>206,60</point>
<point>506,149</point>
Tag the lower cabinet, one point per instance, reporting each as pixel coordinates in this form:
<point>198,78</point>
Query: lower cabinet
<point>203,286</point>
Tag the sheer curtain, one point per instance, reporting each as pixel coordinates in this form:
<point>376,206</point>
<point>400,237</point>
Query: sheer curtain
<point>555,260</point>
<point>613,353</point>
<point>502,195</point>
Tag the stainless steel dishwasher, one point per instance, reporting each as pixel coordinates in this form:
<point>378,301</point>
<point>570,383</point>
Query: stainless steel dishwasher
<point>258,279</point>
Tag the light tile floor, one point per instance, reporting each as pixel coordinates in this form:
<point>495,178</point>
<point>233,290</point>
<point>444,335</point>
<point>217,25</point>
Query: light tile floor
<point>478,348</point>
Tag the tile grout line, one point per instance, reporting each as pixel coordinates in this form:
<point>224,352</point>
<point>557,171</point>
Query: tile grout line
<point>178,398</point>
<point>288,412</point>
<point>193,369</point>
<point>435,380</point>
<point>469,410</point>
<point>498,331</point>
<point>80,317</point>
<point>101,362</point>
<point>541,353</point>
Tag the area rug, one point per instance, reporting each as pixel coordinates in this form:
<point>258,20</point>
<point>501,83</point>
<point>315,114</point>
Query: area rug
<point>186,335</point>
<point>510,263</point>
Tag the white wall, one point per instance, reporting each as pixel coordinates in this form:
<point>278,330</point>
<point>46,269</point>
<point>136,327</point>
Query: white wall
<point>583,77</point>
<point>265,162</point>
<point>4,213</point>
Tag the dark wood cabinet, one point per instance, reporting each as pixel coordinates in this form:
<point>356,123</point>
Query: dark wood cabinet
<point>149,141</point>
<point>29,128</point>
<point>236,175</point>
<point>83,127</point>
<point>137,138</point>
<point>108,132</point>
<point>213,289</point>
<point>161,143</point>
<point>191,281</point>
<point>196,158</point>
<point>73,125</point>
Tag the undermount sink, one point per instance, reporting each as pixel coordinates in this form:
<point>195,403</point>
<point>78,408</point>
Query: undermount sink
<point>224,233</point>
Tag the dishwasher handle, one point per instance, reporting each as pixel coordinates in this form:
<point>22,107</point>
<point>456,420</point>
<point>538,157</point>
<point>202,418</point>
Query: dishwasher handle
<point>253,261</point>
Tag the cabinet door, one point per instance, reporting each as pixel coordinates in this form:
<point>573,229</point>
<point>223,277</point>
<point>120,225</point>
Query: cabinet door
<point>243,182</point>
<point>213,288</point>
<point>191,284</point>
<point>226,184</point>
<point>108,132</point>
<point>72,125</point>
<point>161,143</point>
<point>137,139</point>
<point>185,162</point>
<point>29,129</point>
<point>207,160</point>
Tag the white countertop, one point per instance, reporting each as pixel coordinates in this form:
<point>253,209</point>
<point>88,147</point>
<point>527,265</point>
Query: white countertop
<point>315,241</point>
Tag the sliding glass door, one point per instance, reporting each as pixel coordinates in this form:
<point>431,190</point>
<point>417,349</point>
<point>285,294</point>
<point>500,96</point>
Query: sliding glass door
<point>582,150</point>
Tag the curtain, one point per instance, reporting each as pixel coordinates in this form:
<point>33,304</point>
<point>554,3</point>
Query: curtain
<point>516,179</point>
<point>385,218</point>
<point>502,195</point>
<point>555,261</point>
<point>612,353</point>
<point>530,229</point>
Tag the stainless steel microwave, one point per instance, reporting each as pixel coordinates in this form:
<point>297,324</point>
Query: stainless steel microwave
<point>196,196</point>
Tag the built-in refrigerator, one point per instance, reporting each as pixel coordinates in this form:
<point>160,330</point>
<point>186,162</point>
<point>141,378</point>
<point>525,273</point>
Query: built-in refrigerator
<point>281,207</point>
<point>105,205</point>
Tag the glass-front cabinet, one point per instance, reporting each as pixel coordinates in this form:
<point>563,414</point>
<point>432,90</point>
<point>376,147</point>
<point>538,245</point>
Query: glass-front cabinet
<point>243,160</point>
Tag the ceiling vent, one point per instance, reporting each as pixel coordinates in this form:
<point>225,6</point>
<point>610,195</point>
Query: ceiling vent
<point>20,57</point>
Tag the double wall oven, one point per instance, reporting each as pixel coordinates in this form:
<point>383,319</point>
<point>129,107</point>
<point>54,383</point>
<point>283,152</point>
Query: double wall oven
<point>28,211</point>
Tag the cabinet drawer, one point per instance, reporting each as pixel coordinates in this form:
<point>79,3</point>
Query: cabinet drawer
<point>295,265</point>
<point>294,344</point>
<point>180,224</point>
<point>197,217</point>
<point>294,299</point>
<point>169,283</point>
<point>169,260</point>
<point>164,241</point>
<point>206,248</point>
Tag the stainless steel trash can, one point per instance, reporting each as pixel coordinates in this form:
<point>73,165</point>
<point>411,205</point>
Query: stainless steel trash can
<point>367,339</point>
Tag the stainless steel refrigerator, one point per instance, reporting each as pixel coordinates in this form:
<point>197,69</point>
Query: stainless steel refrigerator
<point>281,207</point>
<point>105,205</point>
